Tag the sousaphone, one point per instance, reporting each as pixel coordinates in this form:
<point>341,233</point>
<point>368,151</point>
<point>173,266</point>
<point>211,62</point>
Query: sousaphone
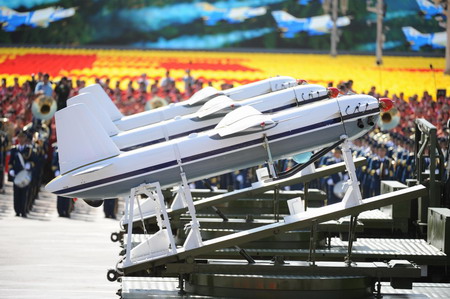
<point>155,103</point>
<point>389,120</point>
<point>43,107</point>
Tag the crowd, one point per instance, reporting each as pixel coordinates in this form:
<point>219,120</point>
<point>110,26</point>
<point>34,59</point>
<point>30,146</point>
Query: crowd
<point>26,141</point>
<point>28,144</point>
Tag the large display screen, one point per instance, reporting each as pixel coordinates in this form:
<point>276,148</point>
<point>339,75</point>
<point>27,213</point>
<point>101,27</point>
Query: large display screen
<point>409,25</point>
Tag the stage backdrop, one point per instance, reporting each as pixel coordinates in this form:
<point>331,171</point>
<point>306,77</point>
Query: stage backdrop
<point>410,25</point>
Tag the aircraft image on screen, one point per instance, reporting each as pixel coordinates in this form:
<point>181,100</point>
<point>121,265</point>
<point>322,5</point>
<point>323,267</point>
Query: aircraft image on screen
<point>213,15</point>
<point>317,25</point>
<point>416,39</point>
<point>306,2</point>
<point>429,9</point>
<point>11,19</point>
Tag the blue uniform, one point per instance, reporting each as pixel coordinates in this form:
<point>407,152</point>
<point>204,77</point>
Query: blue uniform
<point>64,205</point>
<point>380,169</point>
<point>4,141</point>
<point>400,163</point>
<point>21,195</point>
<point>366,178</point>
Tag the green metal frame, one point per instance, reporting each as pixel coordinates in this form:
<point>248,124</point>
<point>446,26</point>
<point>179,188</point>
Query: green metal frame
<point>277,228</point>
<point>252,192</point>
<point>426,139</point>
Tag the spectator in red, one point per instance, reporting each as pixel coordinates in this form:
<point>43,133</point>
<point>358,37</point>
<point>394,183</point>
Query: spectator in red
<point>3,88</point>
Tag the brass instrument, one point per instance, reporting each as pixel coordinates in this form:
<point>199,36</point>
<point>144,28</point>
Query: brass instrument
<point>6,133</point>
<point>155,103</point>
<point>43,107</point>
<point>389,120</point>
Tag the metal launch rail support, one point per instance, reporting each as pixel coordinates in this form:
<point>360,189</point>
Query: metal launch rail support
<point>162,242</point>
<point>351,238</point>
<point>266,145</point>
<point>312,243</point>
<point>426,149</point>
<point>293,222</point>
<point>153,192</point>
<point>178,208</point>
<point>353,195</point>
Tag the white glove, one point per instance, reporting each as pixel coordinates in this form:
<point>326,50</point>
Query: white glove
<point>57,172</point>
<point>330,182</point>
<point>27,166</point>
<point>11,172</point>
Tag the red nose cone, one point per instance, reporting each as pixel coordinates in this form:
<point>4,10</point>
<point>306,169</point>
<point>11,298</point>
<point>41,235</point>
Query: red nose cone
<point>301,82</point>
<point>386,104</point>
<point>333,92</point>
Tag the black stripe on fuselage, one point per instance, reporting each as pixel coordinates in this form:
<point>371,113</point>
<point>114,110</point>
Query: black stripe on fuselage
<point>126,149</point>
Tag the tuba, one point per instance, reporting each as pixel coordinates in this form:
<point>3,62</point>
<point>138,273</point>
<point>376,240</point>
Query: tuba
<point>43,107</point>
<point>389,119</point>
<point>155,103</point>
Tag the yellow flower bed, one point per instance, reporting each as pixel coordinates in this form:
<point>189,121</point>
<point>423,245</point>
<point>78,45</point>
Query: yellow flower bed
<point>410,75</point>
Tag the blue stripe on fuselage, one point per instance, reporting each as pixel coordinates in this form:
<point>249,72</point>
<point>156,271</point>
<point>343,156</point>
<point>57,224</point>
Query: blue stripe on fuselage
<point>207,154</point>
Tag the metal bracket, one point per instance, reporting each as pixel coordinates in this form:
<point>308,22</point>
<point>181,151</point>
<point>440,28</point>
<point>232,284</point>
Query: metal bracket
<point>245,255</point>
<point>305,194</point>
<point>312,243</point>
<point>353,195</point>
<point>154,193</point>
<point>378,289</point>
<point>266,145</point>
<point>351,237</point>
<point>276,203</point>
<point>220,213</point>
<point>181,285</point>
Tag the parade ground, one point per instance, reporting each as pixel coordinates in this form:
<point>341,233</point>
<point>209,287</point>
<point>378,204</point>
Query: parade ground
<point>46,256</point>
